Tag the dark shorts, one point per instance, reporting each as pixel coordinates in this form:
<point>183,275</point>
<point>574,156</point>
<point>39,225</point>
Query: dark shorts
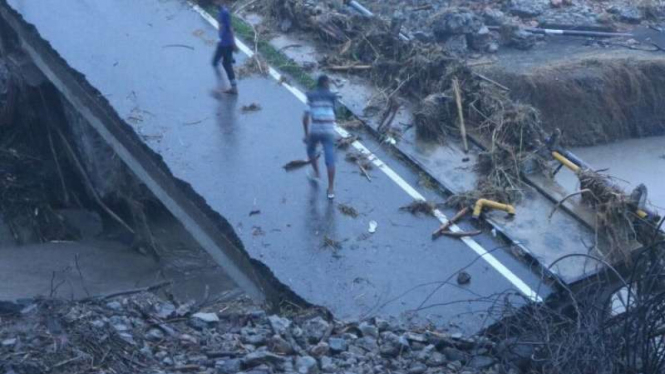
<point>327,140</point>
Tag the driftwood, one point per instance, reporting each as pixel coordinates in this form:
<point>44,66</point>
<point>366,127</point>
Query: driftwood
<point>460,114</point>
<point>349,67</point>
<point>462,234</point>
<point>446,226</point>
<point>90,186</point>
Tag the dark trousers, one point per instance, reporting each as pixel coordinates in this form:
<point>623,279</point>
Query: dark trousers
<point>225,54</point>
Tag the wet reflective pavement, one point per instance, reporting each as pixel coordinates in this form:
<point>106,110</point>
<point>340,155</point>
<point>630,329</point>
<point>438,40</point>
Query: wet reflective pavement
<point>151,60</point>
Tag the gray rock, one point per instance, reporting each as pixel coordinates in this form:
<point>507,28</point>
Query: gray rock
<point>337,345</point>
<point>436,359</point>
<point>457,21</point>
<point>411,336</point>
<point>367,343</point>
<point>481,39</point>
<point>9,342</point>
<point>578,17</point>
<point>154,335</point>
<point>389,344</point>
<point>119,327</point>
<point>417,368</point>
<point>382,324</point>
<point>528,8</point>
<point>321,349</point>
<point>369,330</point>
<point>167,361</point>
<point>457,44</point>
<point>457,335</point>
<point>454,354</point>
<point>523,40</point>
<point>231,366</point>
<point>481,362</point>
<point>493,47</point>
<point>184,309</point>
<point>403,343</point>
<point>98,324</point>
<point>494,17</point>
<point>306,365</point>
<point>146,352</point>
<point>315,329</point>
<point>327,365</point>
<point>262,358</point>
<point>209,318</point>
<point>114,305</point>
<point>463,278</point>
<point>425,353</point>
<point>279,325</point>
<point>627,13</point>
<point>455,365</point>
<point>127,337</point>
<point>424,37</point>
<point>198,324</point>
<point>278,345</point>
<point>253,336</point>
<point>160,355</point>
<point>164,310</point>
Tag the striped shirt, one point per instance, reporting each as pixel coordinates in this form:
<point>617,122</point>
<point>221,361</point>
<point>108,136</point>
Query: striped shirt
<point>321,109</point>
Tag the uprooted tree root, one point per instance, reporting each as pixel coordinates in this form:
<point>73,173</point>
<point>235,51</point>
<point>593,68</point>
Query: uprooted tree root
<point>614,215</point>
<point>418,207</point>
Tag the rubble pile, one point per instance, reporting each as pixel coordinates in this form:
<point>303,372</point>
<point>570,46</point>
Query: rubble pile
<point>416,15</point>
<point>425,72</point>
<point>143,334</point>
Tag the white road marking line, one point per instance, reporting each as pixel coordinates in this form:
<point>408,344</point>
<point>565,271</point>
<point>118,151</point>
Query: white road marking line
<point>404,185</point>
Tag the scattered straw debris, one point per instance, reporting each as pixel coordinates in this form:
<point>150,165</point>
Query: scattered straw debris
<point>363,162</point>
<point>353,124</point>
<point>344,143</point>
<point>418,207</point>
<point>347,210</point>
<point>359,158</point>
<point>253,107</point>
<point>256,65</point>
<point>297,164</point>
<point>614,217</point>
<point>331,243</point>
<point>426,181</point>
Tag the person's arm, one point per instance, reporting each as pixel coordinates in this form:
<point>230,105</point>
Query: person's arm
<point>305,124</point>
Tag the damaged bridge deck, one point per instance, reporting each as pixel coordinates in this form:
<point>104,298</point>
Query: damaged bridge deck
<point>150,62</point>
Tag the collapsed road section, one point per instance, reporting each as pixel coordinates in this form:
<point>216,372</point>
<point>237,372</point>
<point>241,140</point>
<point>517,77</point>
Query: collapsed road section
<point>148,96</point>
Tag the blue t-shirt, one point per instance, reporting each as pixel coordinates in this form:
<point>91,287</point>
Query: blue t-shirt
<point>225,31</point>
<point>321,109</point>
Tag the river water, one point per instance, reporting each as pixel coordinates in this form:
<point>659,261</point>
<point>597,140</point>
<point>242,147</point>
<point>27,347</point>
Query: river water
<point>630,162</point>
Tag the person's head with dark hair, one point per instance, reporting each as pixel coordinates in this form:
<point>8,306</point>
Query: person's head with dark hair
<point>323,82</point>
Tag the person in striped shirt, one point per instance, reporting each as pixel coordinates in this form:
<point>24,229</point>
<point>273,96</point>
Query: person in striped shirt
<point>319,125</point>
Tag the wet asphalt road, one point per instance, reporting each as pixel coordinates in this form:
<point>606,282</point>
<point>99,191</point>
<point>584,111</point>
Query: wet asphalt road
<point>151,60</point>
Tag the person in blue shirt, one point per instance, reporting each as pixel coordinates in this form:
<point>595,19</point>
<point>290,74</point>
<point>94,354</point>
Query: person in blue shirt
<point>319,125</point>
<point>225,47</point>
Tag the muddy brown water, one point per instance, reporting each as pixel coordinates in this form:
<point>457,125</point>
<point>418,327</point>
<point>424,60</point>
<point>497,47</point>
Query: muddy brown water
<point>630,162</point>
<point>97,265</point>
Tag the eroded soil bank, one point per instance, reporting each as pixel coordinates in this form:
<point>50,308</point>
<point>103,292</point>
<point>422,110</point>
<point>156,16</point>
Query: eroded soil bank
<point>74,221</point>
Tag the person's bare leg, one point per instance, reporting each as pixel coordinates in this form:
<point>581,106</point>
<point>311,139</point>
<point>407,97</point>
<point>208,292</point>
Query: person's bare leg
<point>331,179</point>
<point>315,166</point>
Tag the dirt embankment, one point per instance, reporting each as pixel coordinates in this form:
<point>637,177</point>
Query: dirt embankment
<point>595,100</point>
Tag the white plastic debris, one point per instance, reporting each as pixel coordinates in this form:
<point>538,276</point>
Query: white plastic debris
<point>372,227</point>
